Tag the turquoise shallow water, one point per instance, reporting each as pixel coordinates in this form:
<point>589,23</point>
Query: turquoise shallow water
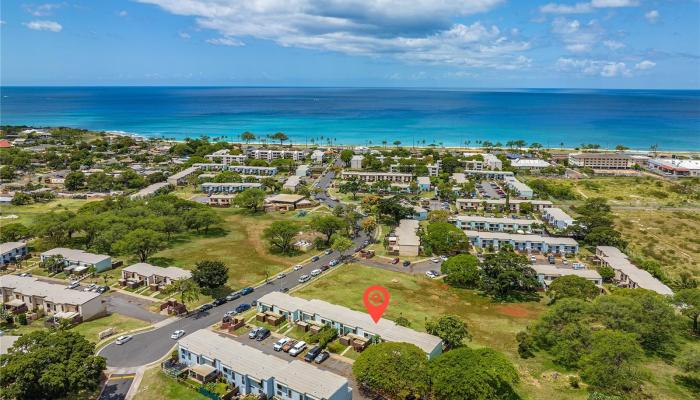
<point>637,119</point>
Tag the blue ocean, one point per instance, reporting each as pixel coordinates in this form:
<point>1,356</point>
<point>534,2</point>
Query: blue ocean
<point>362,116</point>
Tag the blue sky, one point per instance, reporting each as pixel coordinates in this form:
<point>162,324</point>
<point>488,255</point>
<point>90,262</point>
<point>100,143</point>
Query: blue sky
<point>427,43</point>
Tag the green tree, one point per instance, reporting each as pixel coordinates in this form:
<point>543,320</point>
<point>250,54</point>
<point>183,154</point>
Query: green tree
<point>688,301</point>
<point>393,369</point>
<point>141,242</point>
<point>341,243</point>
<point>327,225</point>
<point>462,271</point>
<point>450,328</point>
<point>14,232</point>
<point>612,363</point>
<point>247,137</point>
<point>473,374</point>
<point>50,364</point>
<point>604,236</point>
<point>391,207</point>
<point>21,199</point>
<point>74,181</point>
<point>369,225</point>
<point>251,199</point>
<point>439,216</point>
<point>346,156</point>
<point>353,186</point>
<point>507,274</point>
<point>210,274</point>
<point>281,136</point>
<point>201,218</point>
<point>186,290</point>
<point>572,286</point>
<point>280,235</point>
<point>99,182</point>
<point>606,272</point>
<point>7,172</point>
<point>444,238</point>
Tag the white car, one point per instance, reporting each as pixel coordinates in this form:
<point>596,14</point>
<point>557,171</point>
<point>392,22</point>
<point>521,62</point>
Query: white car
<point>298,267</point>
<point>435,260</point>
<point>316,272</point>
<point>278,344</point>
<point>431,275</point>
<point>565,262</point>
<point>304,278</point>
<point>123,339</point>
<point>73,285</point>
<point>177,334</point>
<point>298,348</point>
<point>281,275</point>
<point>254,332</point>
<point>443,258</point>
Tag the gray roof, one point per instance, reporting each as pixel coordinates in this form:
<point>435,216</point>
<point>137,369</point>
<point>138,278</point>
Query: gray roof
<point>150,189</point>
<point>522,238</point>
<point>619,261</point>
<point>424,180</point>
<point>53,292</point>
<point>184,173</point>
<point>503,201</point>
<point>9,246</point>
<point>406,232</point>
<point>146,269</point>
<point>495,220</point>
<point>558,214</point>
<point>76,255</point>
<point>598,155</point>
<point>553,270</point>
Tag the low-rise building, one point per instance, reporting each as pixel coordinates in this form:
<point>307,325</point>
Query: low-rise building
<point>6,341</point>
<point>356,161</point>
<point>151,275</point>
<point>424,183</point>
<point>270,154</point>
<point>346,321</point>
<point>228,187</point>
<point>500,204</point>
<point>367,176</point>
<point>419,213</point>
<point>461,177</point>
<point>628,274</point>
<point>12,251</point>
<point>210,355</point>
<point>520,188</point>
<point>546,273</point>
<point>405,240</point>
<point>557,217</point>
<point>240,169</point>
<point>151,190</point>
<point>78,261</point>
<point>221,200</point>
<point>492,161</point>
<point>434,169</point>
<point>223,157</point>
<point>22,293</point>
<point>532,164</point>
<point>674,167</point>
<point>180,178</point>
<point>292,183</point>
<point>523,243</point>
<point>302,170</point>
<point>492,224</point>
<point>317,156</point>
<point>601,160</point>
<point>286,202</point>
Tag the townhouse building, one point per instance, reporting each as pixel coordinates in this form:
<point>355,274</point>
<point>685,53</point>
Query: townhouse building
<point>180,178</point>
<point>424,183</point>
<point>356,161</point>
<point>546,273</point>
<point>367,176</point>
<point>302,170</point>
<point>240,169</point>
<point>532,164</point>
<point>223,157</point>
<point>493,224</point>
<point>78,261</point>
<point>228,187</point>
<point>25,293</point>
<point>461,177</point>
<point>346,321</point>
<point>151,190</point>
<point>210,355</point>
<point>492,162</point>
<point>12,251</point>
<point>523,243</point>
<point>151,275</point>
<point>520,188</point>
<point>628,274</point>
<point>601,160</point>
<point>292,183</point>
<point>557,217</point>
<point>317,156</point>
<point>405,240</point>
<point>500,204</point>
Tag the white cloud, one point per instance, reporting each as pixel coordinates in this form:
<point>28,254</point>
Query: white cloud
<point>606,69</point>
<point>123,13</point>
<point>225,41</point>
<point>613,44</point>
<point>644,65</point>
<point>44,26</point>
<point>583,8</point>
<point>419,31</point>
<point>577,37</point>
<point>652,16</point>
<point>42,10</point>
<point>184,35</point>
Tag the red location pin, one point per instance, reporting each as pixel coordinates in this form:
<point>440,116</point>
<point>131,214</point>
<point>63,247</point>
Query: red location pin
<point>376,300</point>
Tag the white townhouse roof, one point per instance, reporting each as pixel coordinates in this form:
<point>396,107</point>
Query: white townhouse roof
<point>52,292</point>
<point>503,201</point>
<point>244,359</point>
<point>149,190</point>
<point>522,238</point>
<point>529,163</point>
<point>495,220</point>
<point>357,157</point>
<point>558,214</point>
<point>10,246</point>
<point>6,342</point>
<point>517,185</point>
<point>76,255</point>
<point>184,173</point>
<point>232,184</point>
<point>423,180</point>
<point>619,261</point>
<point>386,329</point>
<point>145,269</point>
<point>406,232</point>
<point>548,269</point>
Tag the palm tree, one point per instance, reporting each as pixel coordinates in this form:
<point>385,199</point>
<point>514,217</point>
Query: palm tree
<point>187,290</point>
<point>247,137</point>
<point>384,143</point>
<point>397,143</point>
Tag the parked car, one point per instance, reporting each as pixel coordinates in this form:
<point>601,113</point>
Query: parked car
<point>285,290</point>
<point>328,251</point>
<point>246,291</point>
<point>233,296</point>
<point>565,262</point>
<point>262,334</point>
<point>314,258</point>
<point>551,260</point>
<point>288,346</point>
<point>431,274</point>
<point>298,348</point>
<point>242,308</point>
<point>177,334</point>
<point>278,344</point>
<point>533,259</point>
<point>316,272</point>
<point>253,333</point>
<point>281,275</point>
<point>322,357</point>
<point>303,278</point>
<point>435,260</point>
<point>325,267</point>
<point>406,263</point>
<point>123,339</point>
<point>298,267</point>
<point>395,260</point>
<point>73,285</point>
<point>443,258</point>
<point>333,263</point>
<point>313,353</point>
<point>205,307</point>
<point>218,302</point>
<point>102,289</point>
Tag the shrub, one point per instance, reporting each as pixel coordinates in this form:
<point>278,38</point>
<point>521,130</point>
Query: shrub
<point>22,319</point>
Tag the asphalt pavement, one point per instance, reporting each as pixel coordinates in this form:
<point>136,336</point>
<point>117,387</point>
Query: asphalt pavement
<point>116,387</point>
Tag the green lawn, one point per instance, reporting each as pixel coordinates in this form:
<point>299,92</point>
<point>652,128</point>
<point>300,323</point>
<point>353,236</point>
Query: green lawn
<point>91,329</point>
<point>158,386</point>
<point>28,213</point>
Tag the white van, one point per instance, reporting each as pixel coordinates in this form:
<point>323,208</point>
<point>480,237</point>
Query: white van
<point>304,278</point>
<point>298,348</point>
<point>278,345</point>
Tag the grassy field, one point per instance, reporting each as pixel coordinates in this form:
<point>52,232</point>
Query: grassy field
<point>158,386</point>
<point>670,237</point>
<point>239,245</point>
<point>27,214</point>
<point>491,324</point>
<point>121,323</point>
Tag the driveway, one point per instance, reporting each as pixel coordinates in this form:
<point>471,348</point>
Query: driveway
<point>116,387</point>
<point>131,306</point>
<point>419,268</point>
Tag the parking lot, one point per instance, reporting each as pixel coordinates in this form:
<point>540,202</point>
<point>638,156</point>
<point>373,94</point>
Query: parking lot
<point>490,190</point>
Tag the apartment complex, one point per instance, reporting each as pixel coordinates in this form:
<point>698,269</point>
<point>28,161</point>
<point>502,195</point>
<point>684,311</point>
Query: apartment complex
<point>491,224</point>
<point>180,178</point>
<point>628,274</point>
<point>460,177</point>
<point>356,162</point>
<point>673,167</point>
<point>317,156</point>
<point>520,188</point>
<point>523,243</point>
<point>12,251</point>
<point>151,190</point>
<point>533,164</point>
<point>78,261</point>
<point>24,292</point>
<point>240,169</point>
<point>346,321</point>
<point>210,355</point>
<point>546,273</point>
<point>557,217</point>
<point>223,157</point>
<point>405,241</point>
<point>232,187</point>
<point>144,273</point>
<point>377,176</point>
<point>269,154</point>
<point>601,160</point>
<point>500,204</point>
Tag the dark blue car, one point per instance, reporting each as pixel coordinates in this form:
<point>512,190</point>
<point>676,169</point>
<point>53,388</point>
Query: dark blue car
<point>246,291</point>
<point>242,307</point>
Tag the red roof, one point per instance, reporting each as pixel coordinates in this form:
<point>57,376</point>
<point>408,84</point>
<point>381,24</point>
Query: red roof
<point>4,144</point>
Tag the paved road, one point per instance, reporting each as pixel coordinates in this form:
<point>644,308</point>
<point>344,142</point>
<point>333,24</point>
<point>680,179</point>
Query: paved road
<point>418,268</point>
<point>149,347</point>
<point>117,387</point>
<point>131,306</point>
